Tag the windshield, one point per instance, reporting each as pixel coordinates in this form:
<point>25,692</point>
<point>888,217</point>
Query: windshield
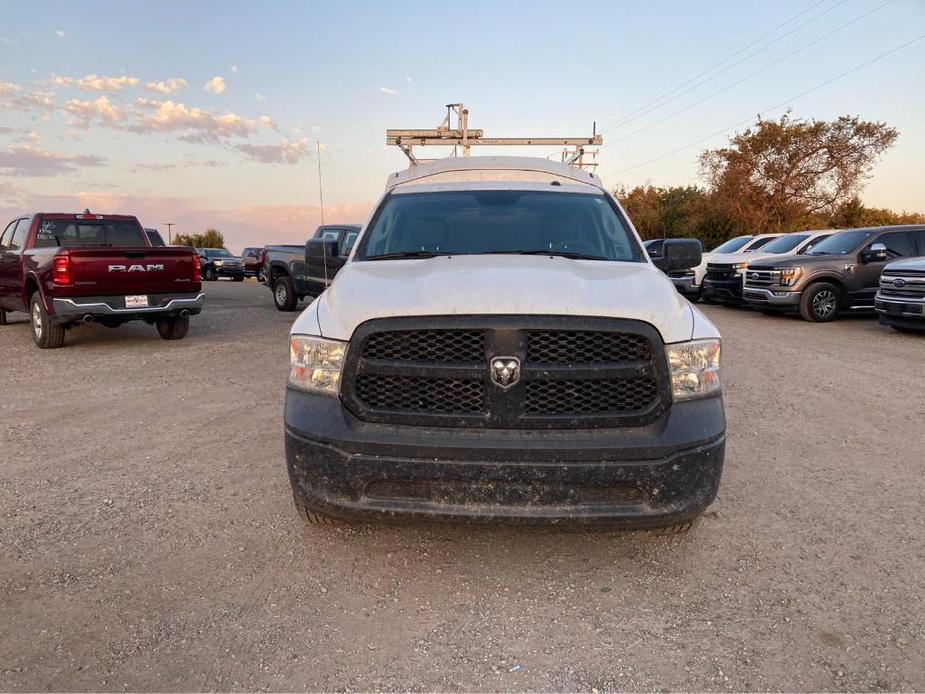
<point>759,243</point>
<point>498,221</point>
<point>785,243</point>
<point>218,253</point>
<point>66,233</point>
<point>732,245</point>
<point>841,243</point>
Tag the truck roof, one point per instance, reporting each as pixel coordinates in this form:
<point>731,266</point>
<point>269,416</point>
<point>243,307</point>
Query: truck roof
<point>479,169</point>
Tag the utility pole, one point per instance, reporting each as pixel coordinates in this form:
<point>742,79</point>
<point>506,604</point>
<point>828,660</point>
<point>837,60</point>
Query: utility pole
<point>463,138</point>
<point>169,225</point>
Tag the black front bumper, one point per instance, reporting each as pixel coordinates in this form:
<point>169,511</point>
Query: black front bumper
<point>728,291</point>
<point>663,473</point>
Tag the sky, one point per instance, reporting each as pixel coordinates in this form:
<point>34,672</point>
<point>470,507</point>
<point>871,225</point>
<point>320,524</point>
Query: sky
<point>211,114</point>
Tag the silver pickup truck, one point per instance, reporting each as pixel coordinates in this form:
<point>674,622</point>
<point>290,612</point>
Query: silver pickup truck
<point>292,278</point>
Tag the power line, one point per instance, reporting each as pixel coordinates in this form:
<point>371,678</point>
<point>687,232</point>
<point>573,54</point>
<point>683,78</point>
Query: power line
<point>645,108</point>
<point>772,108</point>
<point>749,76</point>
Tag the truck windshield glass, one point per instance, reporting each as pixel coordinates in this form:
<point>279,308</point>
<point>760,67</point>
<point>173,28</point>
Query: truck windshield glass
<point>218,253</point>
<point>65,233</point>
<point>485,222</point>
<point>785,243</point>
<point>841,243</point>
<point>732,245</point>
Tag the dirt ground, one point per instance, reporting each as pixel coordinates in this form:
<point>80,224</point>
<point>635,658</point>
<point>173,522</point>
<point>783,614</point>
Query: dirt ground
<point>148,540</point>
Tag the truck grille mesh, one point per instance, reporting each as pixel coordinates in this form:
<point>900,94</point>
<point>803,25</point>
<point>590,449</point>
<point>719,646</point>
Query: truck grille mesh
<point>589,397</point>
<point>574,346</point>
<point>420,394</point>
<point>426,345</point>
<point>585,372</point>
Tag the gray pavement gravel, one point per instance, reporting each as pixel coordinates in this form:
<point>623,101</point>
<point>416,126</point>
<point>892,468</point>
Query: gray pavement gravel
<point>148,540</point>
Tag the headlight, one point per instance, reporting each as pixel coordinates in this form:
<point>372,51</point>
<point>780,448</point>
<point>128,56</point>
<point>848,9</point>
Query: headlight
<point>790,275</point>
<point>694,369</point>
<point>740,266</point>
<point>315,364</point>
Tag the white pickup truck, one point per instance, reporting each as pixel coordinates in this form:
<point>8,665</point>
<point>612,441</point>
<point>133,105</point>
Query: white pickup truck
<point>498,346</point>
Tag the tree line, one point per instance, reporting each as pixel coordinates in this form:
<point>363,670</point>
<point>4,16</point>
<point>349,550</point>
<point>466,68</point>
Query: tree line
<point>777,176</point>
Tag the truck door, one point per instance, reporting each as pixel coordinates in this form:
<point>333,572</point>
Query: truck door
<point>11,242</point>
<point>899,244</point>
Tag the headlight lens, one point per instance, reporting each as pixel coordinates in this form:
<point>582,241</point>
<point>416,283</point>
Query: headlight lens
<point>315,364</point>
<point>790,275</point>
<point>694,369</point>
<point>740,266</point>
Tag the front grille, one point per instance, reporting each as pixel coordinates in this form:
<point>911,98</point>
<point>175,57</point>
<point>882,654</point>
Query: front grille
<point>718,272</point>
<point>573,372</point>
<point>589,397</point>
<point>759,277</point>
<point>445,396</point>
<point>912,285</point>
<point>426,345</point>
<point>577,346</point>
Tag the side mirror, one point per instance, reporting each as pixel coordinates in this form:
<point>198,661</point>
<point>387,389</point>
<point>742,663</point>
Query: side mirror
<point>679,254</point>
<point>320,251</point>
<point>877,253</point>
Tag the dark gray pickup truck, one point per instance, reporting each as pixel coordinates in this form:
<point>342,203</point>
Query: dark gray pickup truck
<point>840,273</point>
<point>292,279</point>
<point>900,300</point>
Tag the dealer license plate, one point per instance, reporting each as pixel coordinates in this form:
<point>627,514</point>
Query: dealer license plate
<point>137,301</point>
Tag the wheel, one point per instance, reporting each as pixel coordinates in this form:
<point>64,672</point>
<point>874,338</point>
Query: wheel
<point>238,279</point>
<point>261,276</point>
<point>173,328</point>
<point>821,302</point>
<point>312,517</point>
<point>209,275</point>
<point>284,295</point>
<point>2,317</point>
<point>46,333</point>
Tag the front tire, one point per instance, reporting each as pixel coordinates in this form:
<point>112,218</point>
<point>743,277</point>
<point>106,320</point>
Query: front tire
<point>311,517</point>
<point>209,275</point>
<point>820,302</point>
<point>173,328</point>
<point>261,276</point>
<point>238,279</point>
<point>46,333</point>
<point>284,295</point>
<point>2,317</point>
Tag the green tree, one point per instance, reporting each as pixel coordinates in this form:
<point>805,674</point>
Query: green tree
<point>780,175</point>
<point>212,238</point>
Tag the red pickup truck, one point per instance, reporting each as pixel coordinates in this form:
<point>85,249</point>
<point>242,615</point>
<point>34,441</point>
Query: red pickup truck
<point>67,269</point>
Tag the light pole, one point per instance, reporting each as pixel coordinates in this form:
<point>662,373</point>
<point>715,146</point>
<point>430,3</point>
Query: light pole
<point>169,225</point>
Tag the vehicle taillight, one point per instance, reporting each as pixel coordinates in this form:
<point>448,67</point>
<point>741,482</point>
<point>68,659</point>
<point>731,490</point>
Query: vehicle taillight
<point>61,270</point>
<point>197,269</point>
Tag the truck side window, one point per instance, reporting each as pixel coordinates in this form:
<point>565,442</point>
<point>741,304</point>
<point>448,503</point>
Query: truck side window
<point>350,238</point>
<point>19,235</point>
<point>330,234</point>
<point>898,244</point>
<point>7,234</point>
<point>920,241</point>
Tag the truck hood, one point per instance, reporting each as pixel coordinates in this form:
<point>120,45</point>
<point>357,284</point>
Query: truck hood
<point>803,260</point>
<point>498,285</point>
<point>908,264</point>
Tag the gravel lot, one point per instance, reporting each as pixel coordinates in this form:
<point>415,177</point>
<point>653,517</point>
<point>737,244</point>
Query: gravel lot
<point>148,540</point>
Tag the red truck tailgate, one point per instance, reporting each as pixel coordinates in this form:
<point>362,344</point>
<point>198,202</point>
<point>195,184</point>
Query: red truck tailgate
<point>111,271</point>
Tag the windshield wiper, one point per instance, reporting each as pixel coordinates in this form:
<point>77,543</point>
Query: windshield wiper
<point>547,251</point>
<point>405,254</point>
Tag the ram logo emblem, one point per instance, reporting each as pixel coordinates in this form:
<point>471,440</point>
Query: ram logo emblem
<point>505,371</point>
<point>136,268</point>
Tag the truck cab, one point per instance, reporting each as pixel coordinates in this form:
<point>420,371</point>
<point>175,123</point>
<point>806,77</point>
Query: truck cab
<point>499,347</point>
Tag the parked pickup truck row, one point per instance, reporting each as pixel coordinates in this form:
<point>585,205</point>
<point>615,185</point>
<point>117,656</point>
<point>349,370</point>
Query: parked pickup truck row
<point>68,269</point>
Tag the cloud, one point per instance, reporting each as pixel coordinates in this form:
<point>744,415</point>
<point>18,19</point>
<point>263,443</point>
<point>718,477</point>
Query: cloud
<point>167,87</point>
<point>261,97</point>
<point>60,34</point>
<point>389,91</point>
<point>204,126</point>
<point>32,137</point>
<point>234,69</point>
<point>101,109</point>
<point>268,122</point>
<point>207,163</point>
<point>32,161</point>
<point>216,85</point>
<point>31,100</point>
<point>8,88</point>
<point>96,83</point>
<point>286,153</point>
